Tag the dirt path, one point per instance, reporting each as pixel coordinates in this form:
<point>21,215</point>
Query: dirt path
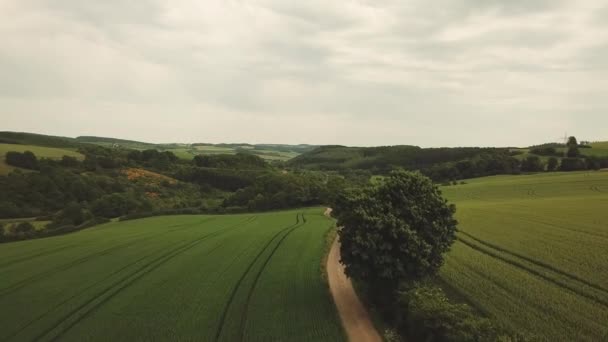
<point>355,319</point>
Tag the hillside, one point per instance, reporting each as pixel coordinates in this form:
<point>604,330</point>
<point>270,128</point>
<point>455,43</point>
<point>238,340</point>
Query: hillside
<point>598,149</point>
<point>449,164</point>
<point>38,140</point>
<point>39,151</point>
<point>100,183</point>
<point>278,152</point>
<point>384,157</point>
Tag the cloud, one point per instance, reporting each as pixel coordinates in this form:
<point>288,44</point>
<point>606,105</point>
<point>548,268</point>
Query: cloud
<point>359,72</point>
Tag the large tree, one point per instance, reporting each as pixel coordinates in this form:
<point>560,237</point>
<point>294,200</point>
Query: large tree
<point>394,231</point>
<point>572,146</point>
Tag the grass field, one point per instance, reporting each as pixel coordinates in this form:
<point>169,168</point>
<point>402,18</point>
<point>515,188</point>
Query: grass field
<point>532,252</point>
<point>267,154</point>
<point>598,149</point>
<point>253,277</point>
<point>40,152</point>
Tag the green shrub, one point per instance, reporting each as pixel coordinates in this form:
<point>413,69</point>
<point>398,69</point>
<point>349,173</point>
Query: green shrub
<point>426,314</point>
<point>573,164</point>
<point>24,228</point>
<point>429,316</point>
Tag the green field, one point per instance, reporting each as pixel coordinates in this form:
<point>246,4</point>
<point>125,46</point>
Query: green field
<point>253,277</point>
<point>267,154</point>
<point>602,145</point>
<point>40,152</point>
<point>532,252</point>
<point>598,149</point>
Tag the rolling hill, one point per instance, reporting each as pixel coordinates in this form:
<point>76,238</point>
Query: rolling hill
<point>280,152</point>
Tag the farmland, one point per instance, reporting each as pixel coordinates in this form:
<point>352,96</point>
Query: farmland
<point>39,151</point>
<point>248,277</point>
<point>598,149</point>
<point>188,151</point>
<point>531,252</point>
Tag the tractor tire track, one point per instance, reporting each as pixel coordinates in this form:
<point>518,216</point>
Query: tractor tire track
<point>243,320</point>
<point>527,218</point>
<point>61,248</point>
<point>244,275</point>
<point>39,317</point>
<point>595,188</point>
<point>180,226</point>
<point>511,295</point>
<point>16,286</point>
<point>533,272</point>
<point>146,236</point>
<point>129,279</point>
<point>537,263</point>
<point>39,254</point>
<point>109,276</point>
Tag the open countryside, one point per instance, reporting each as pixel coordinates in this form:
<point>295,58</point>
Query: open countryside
<point>153,246</point>
<point>304,171</point>
<point>251,277</point>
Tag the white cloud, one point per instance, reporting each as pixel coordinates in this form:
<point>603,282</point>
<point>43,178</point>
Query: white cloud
<point>461,72</point>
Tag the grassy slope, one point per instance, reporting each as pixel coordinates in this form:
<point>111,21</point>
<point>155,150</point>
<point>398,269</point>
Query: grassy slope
<point>184,151</point>
<point>172,278</point>
<point>599,149</point>
<point>532,252</point>
<point>39,151</point>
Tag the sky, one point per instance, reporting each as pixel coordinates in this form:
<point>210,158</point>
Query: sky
<point>365,73</point>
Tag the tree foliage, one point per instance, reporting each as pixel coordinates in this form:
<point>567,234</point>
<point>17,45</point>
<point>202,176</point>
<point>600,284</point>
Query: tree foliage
<point>552,164</point>
<point>572,146</point>
<point>532,164</point>
<point>26,160</point>
<point>573,164</point>
<point>394,231</point>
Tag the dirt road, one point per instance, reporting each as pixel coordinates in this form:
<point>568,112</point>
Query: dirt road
<point>355,318</point>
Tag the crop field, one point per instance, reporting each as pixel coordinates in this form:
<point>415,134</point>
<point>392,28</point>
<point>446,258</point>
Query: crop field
<point>598,149</point>
<point>40,152</point>
<point>532,252</point>
<point>189,153</point>
<point>602,145</point>
<point>251,277</point>
<point>267,154</point>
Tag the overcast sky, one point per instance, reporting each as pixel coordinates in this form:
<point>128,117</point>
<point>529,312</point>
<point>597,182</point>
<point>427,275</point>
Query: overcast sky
<point>429,73</point>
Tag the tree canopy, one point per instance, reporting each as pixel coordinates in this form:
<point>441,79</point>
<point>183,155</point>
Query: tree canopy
<point>394,231</point>
<point>572,148</point>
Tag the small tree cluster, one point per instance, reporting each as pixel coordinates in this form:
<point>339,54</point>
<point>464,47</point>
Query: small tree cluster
<point>26,160</point>
<point>532,164</point>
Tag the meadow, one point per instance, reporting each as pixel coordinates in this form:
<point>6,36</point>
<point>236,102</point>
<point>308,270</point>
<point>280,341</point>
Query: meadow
<point>250,277</point>
<point>39,151</point>
<point>532,252</point>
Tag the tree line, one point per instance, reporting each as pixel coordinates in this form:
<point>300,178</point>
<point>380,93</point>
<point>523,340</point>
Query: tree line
<point>72,193</point>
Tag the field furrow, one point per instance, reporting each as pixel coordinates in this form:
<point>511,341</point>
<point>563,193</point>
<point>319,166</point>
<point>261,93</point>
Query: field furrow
<point>531,253</point>
<point>164,278</point>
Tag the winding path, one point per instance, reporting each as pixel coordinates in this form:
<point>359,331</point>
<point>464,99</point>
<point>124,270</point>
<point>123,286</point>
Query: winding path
<point>355,319</point>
